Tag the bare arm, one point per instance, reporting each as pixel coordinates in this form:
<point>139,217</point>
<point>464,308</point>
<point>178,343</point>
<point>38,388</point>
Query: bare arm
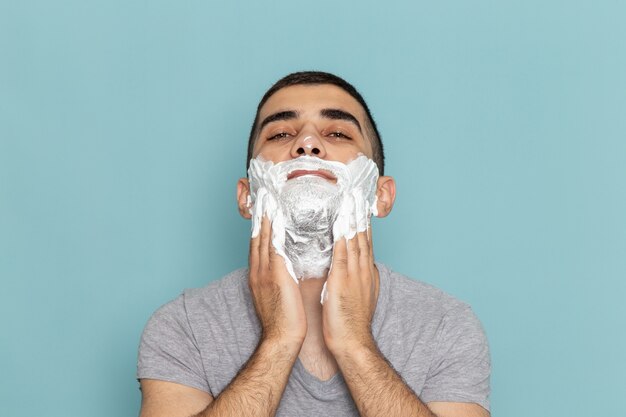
<point>259,385</point>
<point>162,398</point>
<point>378,390</point>
<point>255,391</point>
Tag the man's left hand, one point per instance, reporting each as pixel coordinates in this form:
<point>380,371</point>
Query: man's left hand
<point>351,293</point>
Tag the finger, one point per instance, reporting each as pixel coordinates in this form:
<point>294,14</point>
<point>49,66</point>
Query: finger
<point>370,239</point>
<point>340,257</point>
<point>264,241</point>
<point>353,256</point>
<point>364,250</point>
<point>253,254</point>
<point>354,248</point>
<point>372,266</point>
<point>276,261</point>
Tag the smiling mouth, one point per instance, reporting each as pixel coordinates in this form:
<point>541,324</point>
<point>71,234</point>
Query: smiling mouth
<point>318,173</point>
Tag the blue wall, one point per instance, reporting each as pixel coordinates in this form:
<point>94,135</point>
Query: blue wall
<point>122,134</point>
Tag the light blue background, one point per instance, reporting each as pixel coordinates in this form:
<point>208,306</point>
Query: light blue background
<point>122,134</point>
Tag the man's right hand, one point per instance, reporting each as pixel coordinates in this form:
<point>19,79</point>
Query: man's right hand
<point>259,386</point>
<point>276,295</point>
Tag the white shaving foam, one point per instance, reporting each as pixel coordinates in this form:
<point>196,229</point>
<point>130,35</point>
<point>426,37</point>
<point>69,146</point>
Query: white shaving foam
<point>310,213</point>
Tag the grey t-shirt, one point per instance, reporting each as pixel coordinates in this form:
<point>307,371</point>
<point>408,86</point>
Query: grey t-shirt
<point>202,338</point>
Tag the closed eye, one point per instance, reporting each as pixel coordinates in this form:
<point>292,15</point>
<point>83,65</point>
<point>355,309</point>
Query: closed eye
<point>279,136</point>
<point>339,134</point>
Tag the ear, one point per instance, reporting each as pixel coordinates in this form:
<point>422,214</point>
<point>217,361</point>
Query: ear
<point>386,193</point>
<point>243,192</point>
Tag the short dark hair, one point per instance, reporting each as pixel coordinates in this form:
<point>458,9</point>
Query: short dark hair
<point>317,78</point>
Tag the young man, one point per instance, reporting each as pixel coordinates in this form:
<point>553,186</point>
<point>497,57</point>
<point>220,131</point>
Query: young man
<point>258,343</point>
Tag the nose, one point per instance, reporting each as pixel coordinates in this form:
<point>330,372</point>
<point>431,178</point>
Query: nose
<point>308,144</point>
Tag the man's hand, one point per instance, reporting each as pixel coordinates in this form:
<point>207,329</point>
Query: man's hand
<point>351,290</point>
<point>276,296</point>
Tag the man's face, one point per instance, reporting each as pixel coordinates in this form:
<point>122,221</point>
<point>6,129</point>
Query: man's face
<point>321,121</point>
<point>318,120</point>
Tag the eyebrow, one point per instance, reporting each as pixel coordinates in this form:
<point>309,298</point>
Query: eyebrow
<point>337,114</point>
<point>281,115</point>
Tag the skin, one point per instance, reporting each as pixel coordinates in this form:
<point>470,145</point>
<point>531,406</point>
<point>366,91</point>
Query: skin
<point>329,338</point>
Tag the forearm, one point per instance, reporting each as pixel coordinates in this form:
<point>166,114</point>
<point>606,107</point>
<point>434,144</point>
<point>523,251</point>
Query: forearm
<point>259,385</point>
<point>376,387</point>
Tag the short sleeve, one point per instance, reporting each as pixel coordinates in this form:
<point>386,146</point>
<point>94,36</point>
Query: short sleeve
<point>168,350</point>
<point>461,366</point>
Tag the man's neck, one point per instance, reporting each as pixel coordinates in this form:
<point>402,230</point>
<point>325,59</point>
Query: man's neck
<point>314,354</point>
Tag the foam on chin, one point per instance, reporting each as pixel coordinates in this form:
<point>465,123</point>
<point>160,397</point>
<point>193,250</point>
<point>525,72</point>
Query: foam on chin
<point>310,213</point>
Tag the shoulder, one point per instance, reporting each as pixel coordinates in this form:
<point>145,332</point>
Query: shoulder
<point>418,295</point>
<point>424,311</point>
<point>443,350</point>
<point>215,296</point>
<point>234,282</point>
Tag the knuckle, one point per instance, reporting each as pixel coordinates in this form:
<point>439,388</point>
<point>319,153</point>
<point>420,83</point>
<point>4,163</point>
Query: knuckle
<point>341,263</point>
<point>254,245</point>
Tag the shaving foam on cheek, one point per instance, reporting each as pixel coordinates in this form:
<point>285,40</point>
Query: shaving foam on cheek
<point>310,212</point>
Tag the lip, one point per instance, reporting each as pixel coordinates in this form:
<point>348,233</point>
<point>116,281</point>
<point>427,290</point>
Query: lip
<point>318,173</point>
